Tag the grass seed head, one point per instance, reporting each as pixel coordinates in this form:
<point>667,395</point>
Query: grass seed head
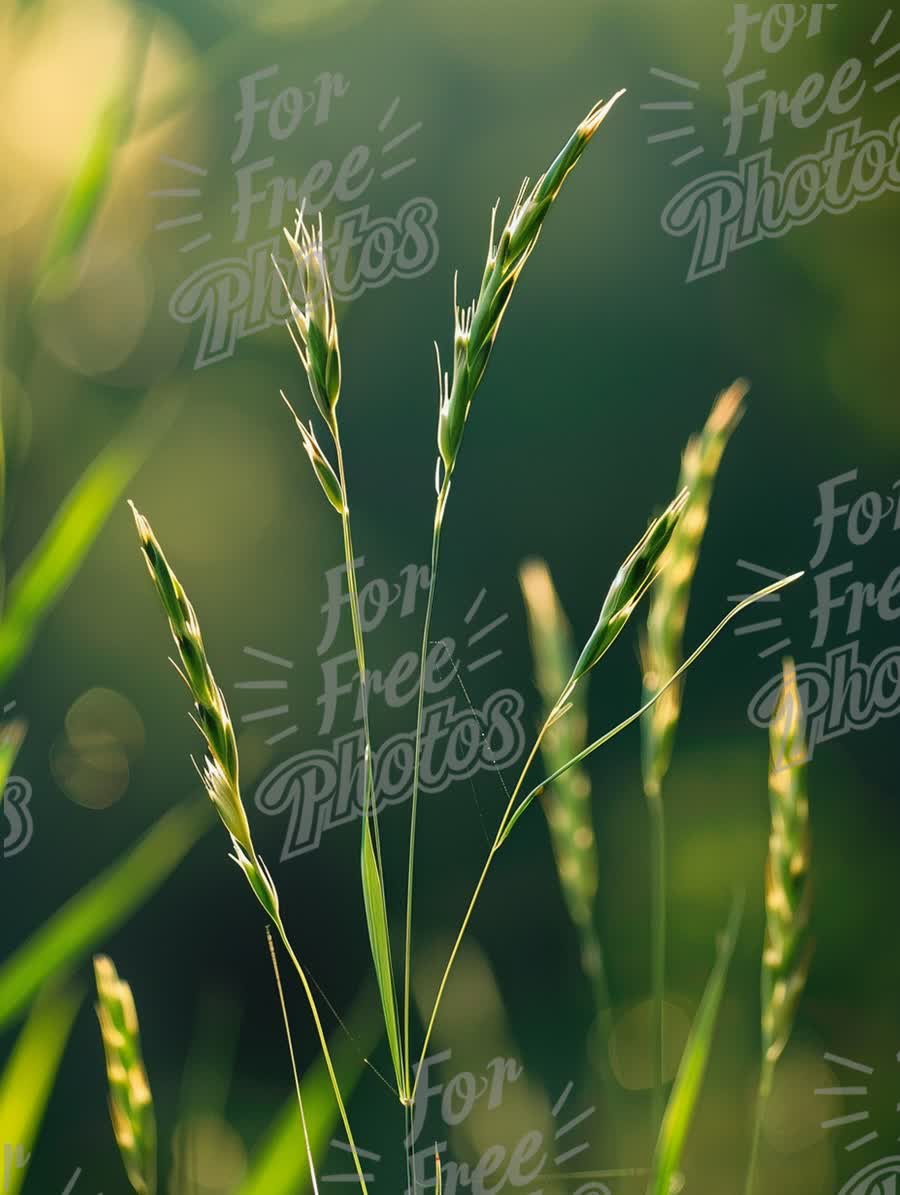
<point>315,322</point>
<point>788,946</point>
<point>662,645</point>
<point>220,773</point>
<point>635,576</point>
<point>476,326</point>
<point>130,1099</point>
<point>322,467</point>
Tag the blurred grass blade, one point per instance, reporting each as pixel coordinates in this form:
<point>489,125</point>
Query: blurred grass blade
<point>376,919</point>
<point>12,735</point>
<point>89,185</point>
<point>100,907</point>
<point>28,1079</point>
<point>52,564</point>
<point>692,1068</point>
<point>280,1165</point>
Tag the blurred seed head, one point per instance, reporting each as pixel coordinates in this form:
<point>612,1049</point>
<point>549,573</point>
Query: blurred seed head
<point>130,1099</point>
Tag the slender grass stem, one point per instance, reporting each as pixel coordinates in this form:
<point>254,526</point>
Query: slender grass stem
<point>293,1058</point>
<point>417,759</point>
<point>370,804</point>
<point>358,641</point>
<point>326,1053</point>
<point>762,1100</point>
<point>656,813</point>
<point>495,846</point>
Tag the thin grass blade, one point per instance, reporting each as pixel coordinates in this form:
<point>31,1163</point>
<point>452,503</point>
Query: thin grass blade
<point>692,1069</point>
<point>45,574</point>
<point>99,908</point>
<point>279,1165</point>
<point>89,185</point>
<point>376,920</point>
<point>28,1079</point>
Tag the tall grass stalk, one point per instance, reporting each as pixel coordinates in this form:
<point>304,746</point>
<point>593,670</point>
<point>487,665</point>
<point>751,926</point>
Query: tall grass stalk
<point>788,947</point>
<point>221,773</point>
<point>475,330</point>
<point>315,336</point>
<point>630,583</point>
<point>661,651</point>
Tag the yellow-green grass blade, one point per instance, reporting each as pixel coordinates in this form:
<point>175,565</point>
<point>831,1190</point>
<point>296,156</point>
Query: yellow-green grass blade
<point>89,185</point>
<point>280,1165</point>
<point>100,907</point>
<point>28,1079</point>
<point>12,734</point>
<point>692,1068</point>
<point>376,920</point>
<point>52,564</point>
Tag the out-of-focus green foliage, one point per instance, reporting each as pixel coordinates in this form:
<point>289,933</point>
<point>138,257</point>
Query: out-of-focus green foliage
<point>28,1078</point>
<point>103,905</point>
<point>43,577</point>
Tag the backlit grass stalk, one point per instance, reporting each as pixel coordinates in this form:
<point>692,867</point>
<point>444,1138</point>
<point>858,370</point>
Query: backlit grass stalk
<point>788,947</point>
<point>475,330</point>
<point>630,583</point>
<point>130,1099</point>
<point>662,648</point>
<point>315,336</point>
<point>220,774</point>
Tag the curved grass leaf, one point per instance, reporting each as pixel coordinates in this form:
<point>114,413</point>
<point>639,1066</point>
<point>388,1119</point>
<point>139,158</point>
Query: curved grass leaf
<point>100,907</point>
<point>692,1068</point>
<point>28,1079</point>
<point>89,185</point>
<point>44,575</point>
<point>376,919</point>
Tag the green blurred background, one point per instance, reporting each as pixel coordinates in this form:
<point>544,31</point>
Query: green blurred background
<point>608,360</point>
